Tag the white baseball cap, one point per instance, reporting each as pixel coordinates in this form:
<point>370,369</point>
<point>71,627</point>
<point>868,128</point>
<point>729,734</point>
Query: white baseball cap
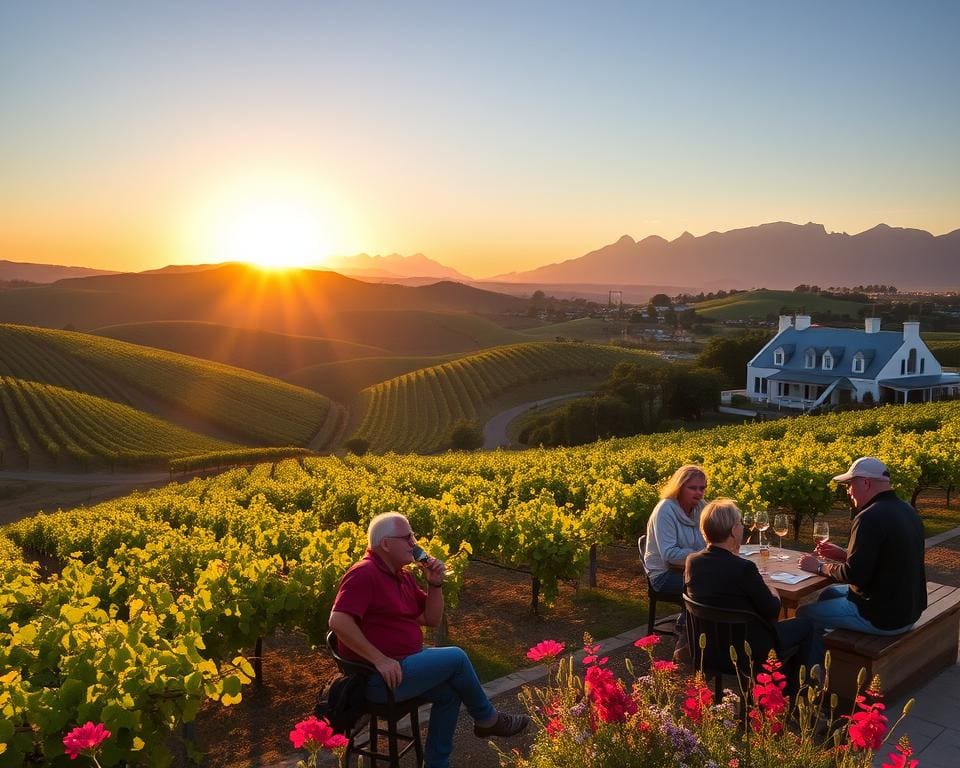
<point>866,466</point>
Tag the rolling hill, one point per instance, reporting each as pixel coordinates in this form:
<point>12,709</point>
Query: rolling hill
<point>343,380</point>
<point>272,354</point>
<point>43,423</point>
<point>415,412</point>
<point>299,302</point>
<point>761,303</point>
<point>247,406</point>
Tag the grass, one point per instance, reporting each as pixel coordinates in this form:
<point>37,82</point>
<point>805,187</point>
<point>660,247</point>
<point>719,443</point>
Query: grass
<point>763,302</point>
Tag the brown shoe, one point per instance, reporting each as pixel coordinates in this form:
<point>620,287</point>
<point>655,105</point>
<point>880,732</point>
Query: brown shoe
<point>505,726</point>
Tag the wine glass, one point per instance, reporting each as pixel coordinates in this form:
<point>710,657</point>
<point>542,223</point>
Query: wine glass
<point>762,520</point>
<point>749,523</point>
<point>780,527</point>
<point>821,531</point>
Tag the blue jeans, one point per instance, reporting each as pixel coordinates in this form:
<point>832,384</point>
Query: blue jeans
<point>445,677</point>
<point>833,610</point>
<point>668,581</point>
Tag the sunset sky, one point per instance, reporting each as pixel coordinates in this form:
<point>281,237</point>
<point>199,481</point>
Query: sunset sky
<point>488,136</point>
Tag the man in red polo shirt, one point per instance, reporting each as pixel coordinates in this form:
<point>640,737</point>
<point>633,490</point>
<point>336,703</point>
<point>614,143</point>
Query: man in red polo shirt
<point>377,617</point>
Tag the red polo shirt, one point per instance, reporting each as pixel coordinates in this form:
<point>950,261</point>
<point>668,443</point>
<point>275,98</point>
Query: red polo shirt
<point>387,605</point>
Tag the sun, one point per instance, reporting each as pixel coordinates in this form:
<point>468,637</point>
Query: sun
<point>272,230</point>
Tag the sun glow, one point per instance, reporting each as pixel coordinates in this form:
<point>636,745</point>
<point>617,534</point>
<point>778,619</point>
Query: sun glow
<point>271,228</point>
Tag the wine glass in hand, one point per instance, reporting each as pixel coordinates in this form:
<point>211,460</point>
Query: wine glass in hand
<point>780,527</point>
<point>821,532</point>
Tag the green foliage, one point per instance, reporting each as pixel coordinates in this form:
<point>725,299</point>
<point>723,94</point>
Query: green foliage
<point>466,435</point>
<point>357,446</point>
<point>730,354</point>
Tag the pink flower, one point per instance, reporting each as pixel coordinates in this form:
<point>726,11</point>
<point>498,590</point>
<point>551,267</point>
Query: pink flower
<point>545,651</point>
<point>611,704</point>
<point>647,642</point>
<point>84,738</point>
<point>665,666</point>
<point>699,697</point>
<point>769,697</point>
<point>592,657</point>
<point>900,758</point>
<point>868,726</point>
<point>315,734</point>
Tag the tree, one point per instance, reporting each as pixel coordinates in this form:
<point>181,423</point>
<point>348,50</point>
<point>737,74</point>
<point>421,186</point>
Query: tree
<point>357,446</point>
<point>466,435</point>
<point>731,354</point>
<point>661,300</point>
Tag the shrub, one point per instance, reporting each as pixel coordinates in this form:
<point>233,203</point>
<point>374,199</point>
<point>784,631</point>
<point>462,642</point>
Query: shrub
<point>466,435</point>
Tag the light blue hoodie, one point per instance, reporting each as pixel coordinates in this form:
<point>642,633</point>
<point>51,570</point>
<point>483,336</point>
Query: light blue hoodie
<point>671,536</point>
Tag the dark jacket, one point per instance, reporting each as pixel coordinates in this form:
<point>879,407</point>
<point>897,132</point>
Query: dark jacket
<point>884,566</point>
<point>722,579</point>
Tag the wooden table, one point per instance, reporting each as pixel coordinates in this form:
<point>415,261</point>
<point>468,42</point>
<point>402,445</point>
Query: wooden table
<point>790,594</point>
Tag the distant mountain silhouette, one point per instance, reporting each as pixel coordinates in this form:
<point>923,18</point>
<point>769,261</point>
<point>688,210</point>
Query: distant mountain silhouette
<point>394,266</point>
<point>297,302</point>
<point>44,273</point>
<point>777,255</point>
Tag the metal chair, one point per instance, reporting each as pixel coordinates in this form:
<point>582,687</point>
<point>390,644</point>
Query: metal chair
<point>725,628</point>
<point>653,595</point>
<point>390,713</point>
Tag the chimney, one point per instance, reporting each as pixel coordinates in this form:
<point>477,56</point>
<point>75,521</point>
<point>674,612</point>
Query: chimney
<point>871,324</point>
<point>785,322</point>
<point>911,330</point>
<point>802,322</point>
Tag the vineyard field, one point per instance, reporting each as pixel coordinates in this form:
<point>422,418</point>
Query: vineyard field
<point>194,573</point>
<point>91,431</point>
<point>253,408</point>
<point>415,412</point>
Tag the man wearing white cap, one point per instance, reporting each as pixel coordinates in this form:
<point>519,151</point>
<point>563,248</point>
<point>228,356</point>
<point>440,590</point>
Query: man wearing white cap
<point>883,585</point>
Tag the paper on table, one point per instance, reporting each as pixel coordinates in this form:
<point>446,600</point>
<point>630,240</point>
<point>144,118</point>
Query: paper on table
<point>749,549</point>
<point>790,578</point>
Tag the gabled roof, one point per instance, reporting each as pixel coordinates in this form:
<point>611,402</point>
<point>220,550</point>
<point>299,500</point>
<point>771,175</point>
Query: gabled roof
<point>920,382</point>
<point>843,343</point>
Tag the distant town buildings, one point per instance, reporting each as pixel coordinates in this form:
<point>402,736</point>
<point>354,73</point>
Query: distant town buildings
<point>806,366</point>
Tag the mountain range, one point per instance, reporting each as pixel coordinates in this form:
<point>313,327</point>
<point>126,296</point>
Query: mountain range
<point>776,255</point>
<point>394,266</point>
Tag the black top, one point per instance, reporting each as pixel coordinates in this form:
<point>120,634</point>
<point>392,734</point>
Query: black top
<point>719,578</point>
<point>884,566</point>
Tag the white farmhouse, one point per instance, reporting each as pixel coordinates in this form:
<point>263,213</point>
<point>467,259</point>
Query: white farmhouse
<point>805,366</point>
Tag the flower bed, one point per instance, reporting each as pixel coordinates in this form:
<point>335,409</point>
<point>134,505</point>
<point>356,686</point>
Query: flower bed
<point>664,719</point>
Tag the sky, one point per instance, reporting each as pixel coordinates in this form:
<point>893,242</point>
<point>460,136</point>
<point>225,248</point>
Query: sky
<point>490,136</point>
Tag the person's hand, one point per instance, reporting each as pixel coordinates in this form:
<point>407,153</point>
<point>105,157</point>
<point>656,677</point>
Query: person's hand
<point>810,563</point>
<point>390,671</point>
<point>434,571</point>
<point>831,551</point>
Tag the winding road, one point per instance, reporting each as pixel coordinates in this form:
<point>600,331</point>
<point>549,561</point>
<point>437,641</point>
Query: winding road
<point>495,430</point>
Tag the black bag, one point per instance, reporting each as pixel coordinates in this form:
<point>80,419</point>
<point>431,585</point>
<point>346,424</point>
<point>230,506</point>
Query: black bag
<point>342,701</point>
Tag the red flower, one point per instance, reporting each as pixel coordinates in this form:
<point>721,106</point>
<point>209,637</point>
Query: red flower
<point>611,704</point>
<point>647,641</point>
<point>545,651</point>
<point>665,666</point>
<point>769,697</point>
<point>315,734</point>
<point>554,727</point>
<point>84,738</point>
<point>868,726</point>
<point>699,697</point>
<point>900,758</point>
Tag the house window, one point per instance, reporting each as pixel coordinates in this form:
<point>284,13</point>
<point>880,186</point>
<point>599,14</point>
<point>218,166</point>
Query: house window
<point>858,364</point>
<point>912,361</point>
<point>763,386</point>
<point>903,367</point>
<point>778,357</point>
<point>811,359</point>
<point>756,384</point>
<point>827,361</point>
<point>922,361</point>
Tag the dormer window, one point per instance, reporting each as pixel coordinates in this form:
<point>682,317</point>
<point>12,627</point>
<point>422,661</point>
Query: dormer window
<point>858,363</point>
<point>827,361</point>
<point>778,357</point>
<point>810,359</point>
